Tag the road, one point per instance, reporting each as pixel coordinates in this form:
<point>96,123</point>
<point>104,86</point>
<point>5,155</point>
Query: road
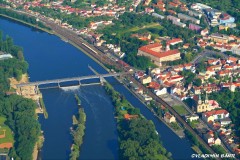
<point>207,52</point>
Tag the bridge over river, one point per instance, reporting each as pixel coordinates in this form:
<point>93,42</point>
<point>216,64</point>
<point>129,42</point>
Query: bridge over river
<point>58,81</point>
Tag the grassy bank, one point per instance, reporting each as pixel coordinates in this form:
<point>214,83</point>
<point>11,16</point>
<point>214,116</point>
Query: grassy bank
<point>45,113</point>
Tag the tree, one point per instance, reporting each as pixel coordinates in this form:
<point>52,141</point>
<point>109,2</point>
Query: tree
<point>197,82</point>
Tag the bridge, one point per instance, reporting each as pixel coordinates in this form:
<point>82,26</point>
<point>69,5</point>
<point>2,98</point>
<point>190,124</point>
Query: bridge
<point>58,81</point>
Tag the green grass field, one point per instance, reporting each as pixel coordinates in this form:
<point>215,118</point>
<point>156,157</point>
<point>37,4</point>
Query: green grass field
<point>180,110</point>
<point>135,29</point>
<point>8,132</point>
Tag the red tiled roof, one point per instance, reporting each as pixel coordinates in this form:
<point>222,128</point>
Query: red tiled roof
<point>232,59</point>
<point>148,50</point>
<point>128,116</point>
<point>175,40</point>
<point>154,85</point>
<point>215,112</point>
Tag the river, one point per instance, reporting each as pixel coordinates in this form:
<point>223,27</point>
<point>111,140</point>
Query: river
<point>51,58</point>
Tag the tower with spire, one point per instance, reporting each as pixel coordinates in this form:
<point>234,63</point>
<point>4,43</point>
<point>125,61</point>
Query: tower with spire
<point>206,98</point>
<point>203,106</point>
<point>199,99</point>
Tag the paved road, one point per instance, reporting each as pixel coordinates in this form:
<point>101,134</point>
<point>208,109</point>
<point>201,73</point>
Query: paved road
<point>206,53</point>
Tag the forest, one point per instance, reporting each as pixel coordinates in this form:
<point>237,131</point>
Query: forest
<point>19,111</point>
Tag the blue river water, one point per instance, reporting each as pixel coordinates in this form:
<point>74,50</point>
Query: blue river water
<point>49,58</point>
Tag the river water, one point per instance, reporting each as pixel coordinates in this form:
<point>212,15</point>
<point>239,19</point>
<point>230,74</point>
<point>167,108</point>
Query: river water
<point>51,58</point>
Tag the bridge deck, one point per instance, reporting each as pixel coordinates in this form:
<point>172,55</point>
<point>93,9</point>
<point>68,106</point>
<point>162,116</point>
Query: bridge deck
<point>37,83</point>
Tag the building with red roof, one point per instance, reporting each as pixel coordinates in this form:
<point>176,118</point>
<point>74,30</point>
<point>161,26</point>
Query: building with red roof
<point>157,55</point>
<point>129,117</point>
<point>215,115</point>
<point>174,41</point>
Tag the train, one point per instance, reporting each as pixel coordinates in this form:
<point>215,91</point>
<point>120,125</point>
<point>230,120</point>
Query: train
<point>89,48</point>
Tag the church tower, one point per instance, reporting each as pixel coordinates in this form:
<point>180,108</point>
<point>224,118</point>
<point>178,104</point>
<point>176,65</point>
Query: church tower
<point>199,99</point>
<point>206,99</point>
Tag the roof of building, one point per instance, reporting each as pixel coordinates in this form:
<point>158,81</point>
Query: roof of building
<point>174,40</point>
<point>215,112</point>
<point>148,50</point>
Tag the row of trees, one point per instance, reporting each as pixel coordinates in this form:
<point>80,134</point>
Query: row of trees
<point>23,17</point>
<point>75,20</point>
<point>138,138</point>
<point>19,111</point>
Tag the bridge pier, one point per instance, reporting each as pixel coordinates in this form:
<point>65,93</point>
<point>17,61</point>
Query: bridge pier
<point>101,80</point>
<point>79,82</point>
<point>59,85</point>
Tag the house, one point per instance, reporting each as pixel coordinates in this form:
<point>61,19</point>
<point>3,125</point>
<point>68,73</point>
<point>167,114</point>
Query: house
<point>215,115</point>
<point>149,10</point>
<point>129,117</point>
<point>204,32</point>
<point>169,118</point>
<point>146,80</point>
<point>171,4</point>
<point>139,74</point>
<point>211,139</point>
<point>154,85</point>
<point>186,45</point>
<point>161,91</point>
<point>226,18</point>
<point>192,117</point>
<point>225,121</point>
<point>174,41</point>
<point>146,97</point>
